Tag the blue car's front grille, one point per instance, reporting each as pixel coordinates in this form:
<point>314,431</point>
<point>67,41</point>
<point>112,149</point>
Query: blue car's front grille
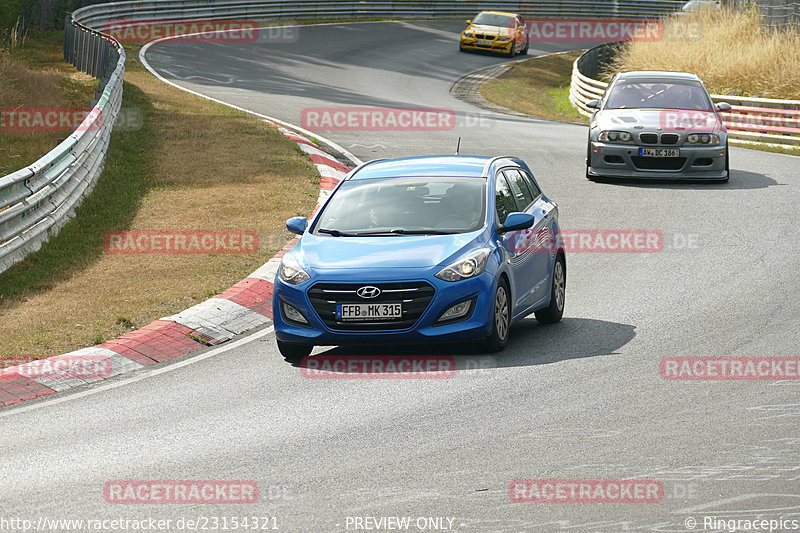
<point>415,297</point>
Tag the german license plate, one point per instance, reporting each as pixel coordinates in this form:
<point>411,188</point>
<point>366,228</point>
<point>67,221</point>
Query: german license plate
<point>484,42</point>
<point>381,311</point>
<point>659,152</point>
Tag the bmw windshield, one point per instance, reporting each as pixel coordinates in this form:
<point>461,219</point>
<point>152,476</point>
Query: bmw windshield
<point>404,206</point>
<point>489,19</point>
<point>658,94</point>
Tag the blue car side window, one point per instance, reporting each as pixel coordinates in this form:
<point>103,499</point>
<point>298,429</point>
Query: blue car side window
<point>521,191</point>
<point>534,189</point>
<point>503,199</point>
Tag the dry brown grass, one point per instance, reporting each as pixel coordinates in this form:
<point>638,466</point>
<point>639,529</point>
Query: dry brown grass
<point>29,77</point>
<point>733,54</point>
<point>17,82</point>
<point>213,169</point>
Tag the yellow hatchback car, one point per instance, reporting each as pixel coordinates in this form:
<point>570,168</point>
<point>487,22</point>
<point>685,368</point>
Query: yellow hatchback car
<point>496,31</point>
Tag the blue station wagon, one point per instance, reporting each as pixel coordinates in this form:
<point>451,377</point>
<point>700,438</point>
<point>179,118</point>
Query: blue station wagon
<point>421,249</point>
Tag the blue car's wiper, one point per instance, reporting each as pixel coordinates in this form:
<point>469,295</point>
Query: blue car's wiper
<point>421,232</point>
<point>337,233</point>
<point>389,233</point>
<point>408,232</point>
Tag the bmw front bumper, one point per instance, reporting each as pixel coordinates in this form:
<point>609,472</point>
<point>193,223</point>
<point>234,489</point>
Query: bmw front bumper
<point>494,45</point>
<point>623,160</point>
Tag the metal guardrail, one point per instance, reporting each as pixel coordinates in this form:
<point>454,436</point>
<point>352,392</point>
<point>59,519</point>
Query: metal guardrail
<point>312,9</point>
<point>37,200</point>
<point>753,120</point>
<point>774,13</point>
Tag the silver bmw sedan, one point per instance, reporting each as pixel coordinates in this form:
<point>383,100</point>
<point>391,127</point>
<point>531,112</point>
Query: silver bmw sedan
<point>652,124</point>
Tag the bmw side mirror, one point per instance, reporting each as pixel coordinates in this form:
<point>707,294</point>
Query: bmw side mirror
<point>593,104</point>
<point>469,21</point>
<point>297,225</point>
<point>724,106</point>
<point>516,221</point>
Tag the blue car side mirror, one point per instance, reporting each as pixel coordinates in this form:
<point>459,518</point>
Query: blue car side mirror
<point>516,221</point>
<point>297,225</point>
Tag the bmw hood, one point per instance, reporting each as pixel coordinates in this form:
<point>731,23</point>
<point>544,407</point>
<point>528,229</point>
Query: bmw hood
<point>492,30</point>
<point>674,120</point>
<point>402,251</point>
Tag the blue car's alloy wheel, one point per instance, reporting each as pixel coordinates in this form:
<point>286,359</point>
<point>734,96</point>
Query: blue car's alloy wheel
<point>553,312</point>
<point>501,313</point>
<point>501,319</point>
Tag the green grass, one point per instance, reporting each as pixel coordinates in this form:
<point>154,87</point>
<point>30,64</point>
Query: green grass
<point>537,87</point>
<point>788,150</point>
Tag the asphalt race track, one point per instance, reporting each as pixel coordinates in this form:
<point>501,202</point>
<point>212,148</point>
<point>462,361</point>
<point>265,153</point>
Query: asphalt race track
<point>579,400</point>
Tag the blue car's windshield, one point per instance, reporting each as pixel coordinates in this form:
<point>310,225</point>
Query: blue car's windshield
<point>658,94</point>
<point>494,20</point>
<point>405,206</point>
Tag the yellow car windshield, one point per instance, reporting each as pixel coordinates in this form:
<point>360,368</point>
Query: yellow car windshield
<point>489,19</point>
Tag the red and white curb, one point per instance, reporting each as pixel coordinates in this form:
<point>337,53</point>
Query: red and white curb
<point>244,306</point>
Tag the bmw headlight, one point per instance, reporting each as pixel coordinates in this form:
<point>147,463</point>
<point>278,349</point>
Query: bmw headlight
<point>467,34</point>
<point>291,272</point>
<point>614,136</point>
<point>504,38</point>
<point>702,138</point>
<point>467,267</point>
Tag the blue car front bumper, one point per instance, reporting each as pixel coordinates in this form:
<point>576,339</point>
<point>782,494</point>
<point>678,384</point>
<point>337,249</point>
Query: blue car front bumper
<point>476,324</point>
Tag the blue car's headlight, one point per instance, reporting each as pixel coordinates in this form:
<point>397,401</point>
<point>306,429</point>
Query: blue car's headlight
<point>291,272</point>
<point>467,267</point>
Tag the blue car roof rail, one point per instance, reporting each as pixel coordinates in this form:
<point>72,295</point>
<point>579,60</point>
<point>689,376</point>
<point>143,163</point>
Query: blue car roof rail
<point>493,160</point>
